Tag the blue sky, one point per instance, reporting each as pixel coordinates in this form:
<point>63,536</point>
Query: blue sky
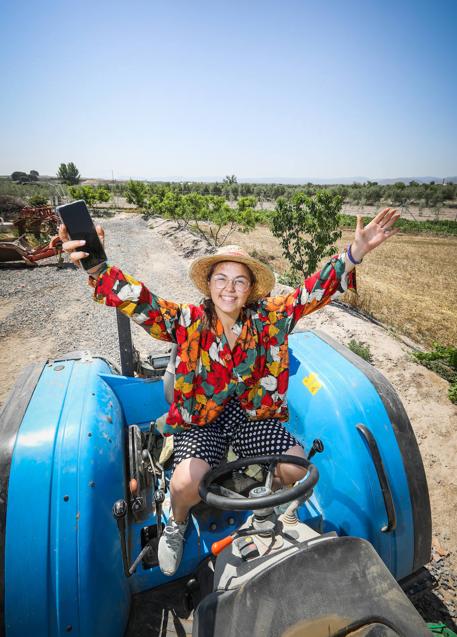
<point>291,88</point>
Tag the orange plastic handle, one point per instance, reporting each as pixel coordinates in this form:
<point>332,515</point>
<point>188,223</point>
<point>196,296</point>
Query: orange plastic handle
<point>219,546</point>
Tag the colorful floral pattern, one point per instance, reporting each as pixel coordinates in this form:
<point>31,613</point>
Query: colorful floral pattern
<point>208,372</point>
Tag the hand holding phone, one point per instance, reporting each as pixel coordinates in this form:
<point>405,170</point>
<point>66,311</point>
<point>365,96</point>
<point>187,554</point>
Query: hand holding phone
<point>86,241</point>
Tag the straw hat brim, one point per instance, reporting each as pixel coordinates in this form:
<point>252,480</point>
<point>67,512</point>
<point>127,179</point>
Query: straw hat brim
<point>264,276</point>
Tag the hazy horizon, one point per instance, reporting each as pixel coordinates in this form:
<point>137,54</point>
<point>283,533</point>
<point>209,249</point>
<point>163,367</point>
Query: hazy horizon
<point>263,180</point>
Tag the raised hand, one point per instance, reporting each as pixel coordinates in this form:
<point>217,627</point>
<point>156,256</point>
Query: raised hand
<point>76,248</point>
<point>378,230</point>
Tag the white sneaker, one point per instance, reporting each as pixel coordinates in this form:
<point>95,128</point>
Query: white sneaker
<point>171,546</point>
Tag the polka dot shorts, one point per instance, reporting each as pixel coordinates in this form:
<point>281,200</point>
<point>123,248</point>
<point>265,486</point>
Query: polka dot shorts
<point>248,438</point>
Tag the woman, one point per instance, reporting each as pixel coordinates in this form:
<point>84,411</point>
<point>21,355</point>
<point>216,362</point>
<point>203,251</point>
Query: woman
<point>232,360</point>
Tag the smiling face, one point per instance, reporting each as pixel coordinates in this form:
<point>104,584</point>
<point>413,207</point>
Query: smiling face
<point>230,285</point>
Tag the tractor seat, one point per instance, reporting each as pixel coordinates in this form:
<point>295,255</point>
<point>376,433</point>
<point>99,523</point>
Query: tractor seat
<point>327,588</point>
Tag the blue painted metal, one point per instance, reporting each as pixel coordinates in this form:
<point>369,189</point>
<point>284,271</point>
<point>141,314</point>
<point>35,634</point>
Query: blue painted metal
<point>67,470</point>
<point>336,397</point>
<point>142,399</point>
<point>69,467</point>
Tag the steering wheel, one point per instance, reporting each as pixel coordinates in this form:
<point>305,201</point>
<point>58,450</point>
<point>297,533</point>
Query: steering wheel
<point>236,502</point>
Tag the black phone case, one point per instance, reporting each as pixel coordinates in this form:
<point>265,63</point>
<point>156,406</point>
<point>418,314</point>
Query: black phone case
<point>80,226</point>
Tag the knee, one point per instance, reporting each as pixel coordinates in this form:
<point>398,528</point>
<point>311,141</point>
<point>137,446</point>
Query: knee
<point>182,487</point>
<point>186,478</point>
<point>290,473</point>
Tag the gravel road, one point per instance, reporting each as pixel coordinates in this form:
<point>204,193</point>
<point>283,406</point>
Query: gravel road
<point>46,311</point>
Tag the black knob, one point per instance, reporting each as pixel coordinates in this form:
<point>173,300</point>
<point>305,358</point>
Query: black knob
<point>159,496</point>
<point>120,509</point>
<point>138,505</point>
<point>317,447</point>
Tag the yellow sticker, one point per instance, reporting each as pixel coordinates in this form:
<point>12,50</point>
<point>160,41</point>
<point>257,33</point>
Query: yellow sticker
<point>312,383</point>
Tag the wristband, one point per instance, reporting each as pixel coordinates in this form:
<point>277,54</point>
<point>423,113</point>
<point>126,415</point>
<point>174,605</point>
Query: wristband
<point>351,258</point>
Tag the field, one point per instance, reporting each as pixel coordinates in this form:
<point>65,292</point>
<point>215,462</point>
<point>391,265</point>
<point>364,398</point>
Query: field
<point>409,283</point>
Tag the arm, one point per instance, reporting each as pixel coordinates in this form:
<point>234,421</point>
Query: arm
<point>318,290</point>
<point>338,275</point>
<point>160,318</point>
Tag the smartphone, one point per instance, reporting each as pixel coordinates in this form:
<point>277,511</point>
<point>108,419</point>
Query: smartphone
<point>80,226</point>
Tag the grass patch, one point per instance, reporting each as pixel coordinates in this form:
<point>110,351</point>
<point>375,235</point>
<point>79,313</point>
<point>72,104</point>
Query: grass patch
<point>361,349</point>
<point>443,361</point>
<point>408,226</point>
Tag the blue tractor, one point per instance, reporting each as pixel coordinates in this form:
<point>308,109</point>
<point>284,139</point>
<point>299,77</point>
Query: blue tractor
<point>84,498</point>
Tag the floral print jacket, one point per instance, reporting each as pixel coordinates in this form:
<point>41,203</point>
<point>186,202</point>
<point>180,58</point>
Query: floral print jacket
<point>208,372</point>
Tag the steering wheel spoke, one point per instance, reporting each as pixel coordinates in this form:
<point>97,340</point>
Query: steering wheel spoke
<point>218,489</point>
<point>270,475</point>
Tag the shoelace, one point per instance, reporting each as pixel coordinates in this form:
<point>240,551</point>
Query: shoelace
<point>174,536</point>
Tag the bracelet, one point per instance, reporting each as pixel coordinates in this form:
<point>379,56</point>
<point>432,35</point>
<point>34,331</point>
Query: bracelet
<point>351,258</point>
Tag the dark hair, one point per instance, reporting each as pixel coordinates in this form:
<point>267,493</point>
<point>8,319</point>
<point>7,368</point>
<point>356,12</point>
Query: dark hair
<point>210,316</point>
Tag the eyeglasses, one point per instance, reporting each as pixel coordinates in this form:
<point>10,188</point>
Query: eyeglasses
<point>240,283</point>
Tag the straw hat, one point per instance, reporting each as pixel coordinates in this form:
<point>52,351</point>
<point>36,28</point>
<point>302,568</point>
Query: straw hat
<point>264,276</point>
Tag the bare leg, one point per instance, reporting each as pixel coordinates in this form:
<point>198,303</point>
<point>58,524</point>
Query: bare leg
<point>184,485</point>
<point>289,473</point>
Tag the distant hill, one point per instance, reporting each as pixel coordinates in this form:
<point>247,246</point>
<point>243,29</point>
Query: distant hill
<point>303,180</point>
<point>343,180</point>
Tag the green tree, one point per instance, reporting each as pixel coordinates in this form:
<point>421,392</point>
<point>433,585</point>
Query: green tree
<point>89,194</point>
<point>83,192</point>
<point>102,194</point>
<point>307,227</point>
<point>209,216</point>
<point>136,193</point>
<point>20,176</point>
<point>69,174</point>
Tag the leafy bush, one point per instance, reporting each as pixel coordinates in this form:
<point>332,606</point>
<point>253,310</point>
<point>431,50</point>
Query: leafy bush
<point>90,194</point>
<point>136,193</point>
<point>290,277</point>
<point>209,216</point>
<point>436,226</point>
<point>361,349</point>
<point>87,193</point>
<point>102,194</point>
<point>307,227</point>
<point>38,200</point>
<point>442,361</point>
<point>452,393</point>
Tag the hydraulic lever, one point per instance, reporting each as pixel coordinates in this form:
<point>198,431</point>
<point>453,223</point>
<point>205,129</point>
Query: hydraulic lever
<point>317,447</point>
<point>120,509</point>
